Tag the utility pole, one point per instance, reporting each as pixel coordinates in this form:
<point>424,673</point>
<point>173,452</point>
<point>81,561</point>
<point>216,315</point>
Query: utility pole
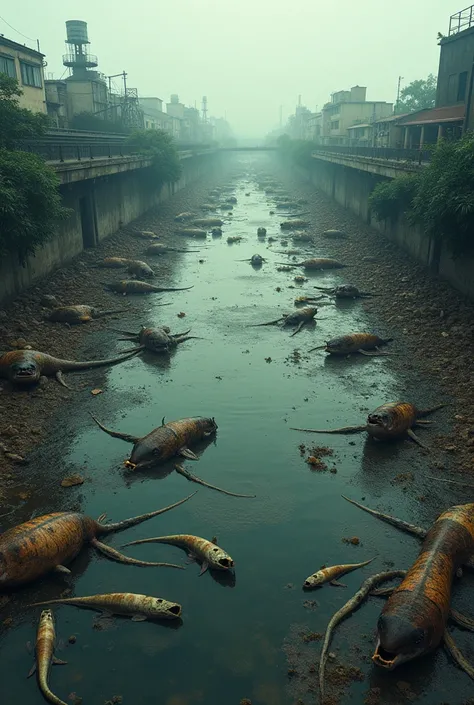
<point>400,79</point>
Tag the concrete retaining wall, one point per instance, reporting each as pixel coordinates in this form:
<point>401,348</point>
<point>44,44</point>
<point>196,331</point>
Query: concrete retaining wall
<point>351,188</point>
<point>100,206</point>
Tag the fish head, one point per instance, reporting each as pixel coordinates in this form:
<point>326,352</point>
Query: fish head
<point>336,346</point>
<point>401,640</point>
<point>315,580</point>
<point>25,371</point>
<point>380,422</point>
<point>166,610</point>
<point>209,426</point>
<point>346,290</point>
<point>47,617</point>
<point>219,559</point>
<point>144,456</point>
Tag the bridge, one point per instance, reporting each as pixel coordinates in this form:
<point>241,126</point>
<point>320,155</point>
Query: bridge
<point>262,148</point>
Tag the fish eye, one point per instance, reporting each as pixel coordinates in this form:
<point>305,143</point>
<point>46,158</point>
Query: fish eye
<point>158,599</point>
<point>215,549</point>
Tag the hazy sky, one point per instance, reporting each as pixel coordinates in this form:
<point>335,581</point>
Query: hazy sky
<point>251,56</point>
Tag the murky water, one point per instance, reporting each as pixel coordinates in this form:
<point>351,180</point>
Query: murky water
<point>237,638</point>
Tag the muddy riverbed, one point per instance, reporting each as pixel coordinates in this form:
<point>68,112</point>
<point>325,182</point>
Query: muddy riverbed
<point>256,636</point>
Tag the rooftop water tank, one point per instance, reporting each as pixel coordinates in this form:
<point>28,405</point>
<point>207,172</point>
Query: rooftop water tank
<point>76,31</point>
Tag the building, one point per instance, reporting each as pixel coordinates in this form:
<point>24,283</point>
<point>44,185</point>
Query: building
<point>388,132</point>
<point>360,135</point>
<point>26,65</point>
<point>56,102</point>
<point>347,109</point>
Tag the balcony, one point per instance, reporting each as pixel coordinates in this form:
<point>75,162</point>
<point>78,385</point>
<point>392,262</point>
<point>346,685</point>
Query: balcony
<point>84,61</point>
<point>464,19</point>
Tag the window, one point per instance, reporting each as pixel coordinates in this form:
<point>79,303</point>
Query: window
<point>7,65</point>
<point>31,75</point>
<point>335,125</point>
<point>462,83</point>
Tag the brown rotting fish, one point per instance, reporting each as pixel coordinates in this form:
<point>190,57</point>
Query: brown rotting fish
<point>388,421</point>
<point>46,543</point>
<point>354,343</point>
<point>79,314</point>
<point>317,263</point>
<point>157,340</point>
<point>25,367</point>
<point>207,552</point>
<point>296,318</point>
<point>166,441</point>
<point>138,607</point>
<point>45,658</point>
<point>332,573</point>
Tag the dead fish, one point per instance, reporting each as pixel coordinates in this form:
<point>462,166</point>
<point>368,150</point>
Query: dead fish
<point>139,607</point>
<point>298,318</point>
<point>351,605</point>
<point>388,421</point>
<point>261,232</point>
<point>330,575</point>
<point>255,260</point>
<point>140,269</point>
<point>145,234</point>
<point>354,343</point>
<point>45,658</point>
<point>345,291</point>
<point>317,263</point>
<point>135,286</point>
<point>294,224</point>
<point>207,552</point>
<point>79,314</point>
<point>192,232</point>
<point>233,238</point>
<point>113,262</point>
<point>303,300</point>
<point>158,340</point>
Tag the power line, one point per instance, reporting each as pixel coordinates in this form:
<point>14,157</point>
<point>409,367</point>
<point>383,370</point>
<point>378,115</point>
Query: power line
<point>16,30</point>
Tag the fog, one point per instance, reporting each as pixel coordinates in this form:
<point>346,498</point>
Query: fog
<point>251,57</point>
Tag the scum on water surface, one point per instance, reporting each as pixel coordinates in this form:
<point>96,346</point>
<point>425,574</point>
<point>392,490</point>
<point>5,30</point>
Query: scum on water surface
<point>237,638</point>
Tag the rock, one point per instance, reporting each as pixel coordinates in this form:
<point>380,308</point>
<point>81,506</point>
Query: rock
<point>72,639</point>
<point>72,481</point>
<point>49,301</point>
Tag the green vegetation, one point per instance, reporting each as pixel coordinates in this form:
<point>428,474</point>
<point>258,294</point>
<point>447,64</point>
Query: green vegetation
<point>439,198</point>
<point>417,95</point>
<point>30,203</point>
<point>162,148</point>
<point>92,123</point>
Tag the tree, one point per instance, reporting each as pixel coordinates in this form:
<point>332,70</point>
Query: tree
<point>30,203</point>
<point>162,148</point>
<point>17,123</point>
<point>418,95</point>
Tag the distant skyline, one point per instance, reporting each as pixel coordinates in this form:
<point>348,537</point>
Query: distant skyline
<point>248,59</point>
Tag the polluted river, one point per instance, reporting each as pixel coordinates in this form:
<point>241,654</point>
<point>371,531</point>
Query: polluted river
<point>251,634</point>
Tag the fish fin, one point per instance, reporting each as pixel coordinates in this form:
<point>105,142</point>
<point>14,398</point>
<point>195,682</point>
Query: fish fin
<point>336,583</point>
<point>190,559</point>
<point>32,670</point>
<point>58,662</point>
<point>163,421</point>
<point>299,327</point>
<point>204,567</point>
<point>457,656</point>
<point>62,569</point>
<point>60,378</point>
<point>101,518</point>
<point>138,618</point>
<point>214,540</point>
<point>186,453</point>
<point>415,438</point>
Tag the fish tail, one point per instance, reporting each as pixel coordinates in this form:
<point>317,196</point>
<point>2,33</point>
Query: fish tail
<point>133,521</point>
<point>430,410</point>
<point>122,558</point>
<point>394,521</point>
<point>344,429</point>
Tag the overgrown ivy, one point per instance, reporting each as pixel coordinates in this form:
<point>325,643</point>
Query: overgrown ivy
<point>163,150</point>
<point>30,203</point>
<point>439,198</point>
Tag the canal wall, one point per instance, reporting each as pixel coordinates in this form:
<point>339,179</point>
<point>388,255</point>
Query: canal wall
<point>352,187</point>
<point>101,202</point>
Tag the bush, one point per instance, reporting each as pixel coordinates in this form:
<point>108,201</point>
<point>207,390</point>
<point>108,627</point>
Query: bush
<point>390,198</point>
<point>162,148</point>
<point>92,123</point>
<point>17,123</point>
<point>439,198</point>
<point>30,203</point>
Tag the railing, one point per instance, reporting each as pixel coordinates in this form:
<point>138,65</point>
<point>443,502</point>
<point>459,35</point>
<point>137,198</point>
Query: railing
<point>464,19</point>
<point>62,151</point>
<point>86,60</point>
<point>388,153</point>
